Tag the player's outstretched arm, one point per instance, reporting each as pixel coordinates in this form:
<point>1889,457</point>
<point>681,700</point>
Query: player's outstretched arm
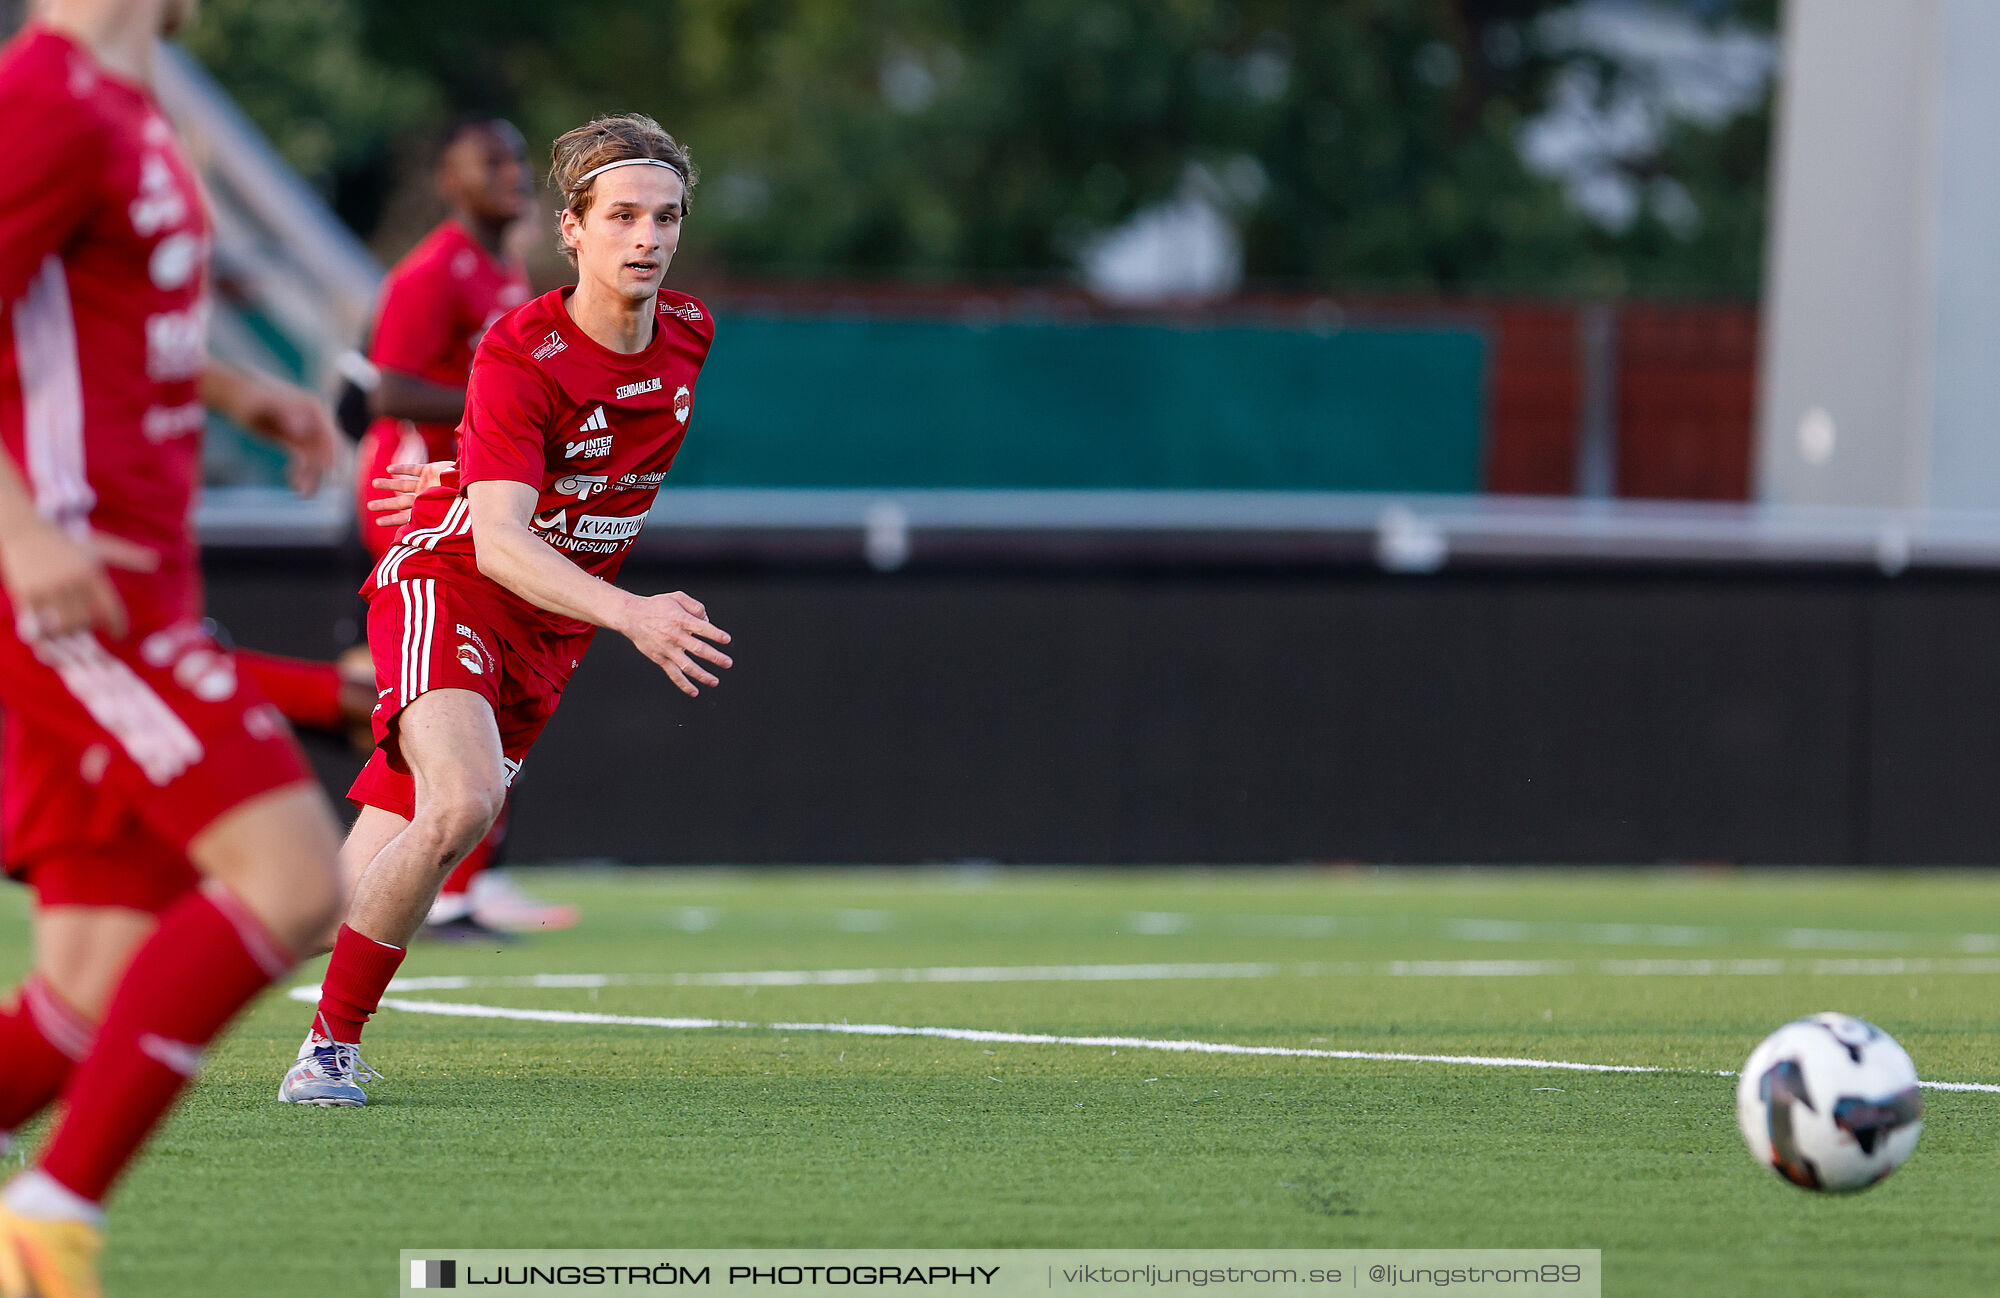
<point>672,630</point>
<point>405,396</point>
<point>280,413</point>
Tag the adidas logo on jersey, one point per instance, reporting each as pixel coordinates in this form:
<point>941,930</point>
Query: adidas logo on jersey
<point>590,448</point>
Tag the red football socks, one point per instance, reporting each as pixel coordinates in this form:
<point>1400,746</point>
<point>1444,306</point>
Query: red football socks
<point>307,692</point>
<point>206,960</point>
<point>355,979</point>
<point>41,1040</point>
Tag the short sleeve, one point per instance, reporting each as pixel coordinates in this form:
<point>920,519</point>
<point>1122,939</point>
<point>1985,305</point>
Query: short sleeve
<point>50,185</point>
<point>509,406</point>
<point>416,323</point>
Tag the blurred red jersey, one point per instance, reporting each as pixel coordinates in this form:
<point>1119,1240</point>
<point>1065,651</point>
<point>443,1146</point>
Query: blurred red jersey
<point>437,302</point>
<point>103,261</point>
<point>118,752</point>
<point>592,430</point>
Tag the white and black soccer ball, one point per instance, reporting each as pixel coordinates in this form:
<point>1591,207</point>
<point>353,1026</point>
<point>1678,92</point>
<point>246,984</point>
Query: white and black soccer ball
<point>1830,1103</point>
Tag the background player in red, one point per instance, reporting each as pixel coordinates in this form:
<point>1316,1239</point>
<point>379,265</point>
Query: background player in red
<point>437,302</point>
<point>110,688</point>
<point>478,615</point>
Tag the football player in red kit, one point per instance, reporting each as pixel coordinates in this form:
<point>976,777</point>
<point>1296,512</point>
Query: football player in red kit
<point>484,606</point>
<point>437,302</point>
<point>113,695</point>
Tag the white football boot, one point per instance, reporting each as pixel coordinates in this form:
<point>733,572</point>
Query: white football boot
<point>327,1073</point>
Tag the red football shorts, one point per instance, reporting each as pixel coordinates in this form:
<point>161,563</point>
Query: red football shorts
<point>426,635</point>
<point>117,753</point>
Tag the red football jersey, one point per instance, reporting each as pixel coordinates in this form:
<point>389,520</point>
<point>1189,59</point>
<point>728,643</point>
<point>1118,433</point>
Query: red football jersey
<point>437,302</point>
<point>103,311</point>
<point>592,430</point>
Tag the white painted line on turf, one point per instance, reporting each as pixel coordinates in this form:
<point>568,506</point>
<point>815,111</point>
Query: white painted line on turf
<point>1176,923</point>
<point>1478,968</point>
<point>854,977</point>
<point>1891,966</point>
<point>451,1009</point>
<point>456,1010</point>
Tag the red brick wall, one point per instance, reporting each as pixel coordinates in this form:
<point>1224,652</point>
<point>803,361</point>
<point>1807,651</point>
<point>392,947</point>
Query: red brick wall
<point>1686,400</point>
<point>1534,397</point>
<point>1687,396</point>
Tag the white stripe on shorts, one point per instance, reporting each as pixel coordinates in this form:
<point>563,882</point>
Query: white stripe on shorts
<point>419,635</point>
<point>430,634</point>
<point>457,520</point>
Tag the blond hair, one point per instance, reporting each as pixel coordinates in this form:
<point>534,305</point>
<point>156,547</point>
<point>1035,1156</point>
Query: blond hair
<point>603,140</point>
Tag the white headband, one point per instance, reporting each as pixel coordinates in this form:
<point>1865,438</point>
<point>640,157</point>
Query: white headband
<point>595,172</point>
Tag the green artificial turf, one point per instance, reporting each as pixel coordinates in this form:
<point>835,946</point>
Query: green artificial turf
<point>492,1133</point>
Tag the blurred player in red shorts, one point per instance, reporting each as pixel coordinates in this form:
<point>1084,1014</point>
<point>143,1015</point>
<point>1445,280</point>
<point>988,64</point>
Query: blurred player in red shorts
<point>133,750</point>
<point>478,615</point>
<point>437,302</point>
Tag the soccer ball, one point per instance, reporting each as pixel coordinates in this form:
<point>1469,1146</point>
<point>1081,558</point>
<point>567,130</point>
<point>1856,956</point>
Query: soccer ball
<point>1830,1103</point>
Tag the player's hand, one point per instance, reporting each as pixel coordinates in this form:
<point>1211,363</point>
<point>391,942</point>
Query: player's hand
<point>404,483</point>
<point>674,630</point>
<point>57,585</point>
<point>296,420</point>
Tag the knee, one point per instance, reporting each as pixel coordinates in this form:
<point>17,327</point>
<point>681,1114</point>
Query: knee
<point>276,854</point>
<point>454,820</point>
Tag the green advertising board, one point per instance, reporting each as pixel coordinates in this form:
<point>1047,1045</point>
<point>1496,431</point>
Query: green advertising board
<point>871,403</point>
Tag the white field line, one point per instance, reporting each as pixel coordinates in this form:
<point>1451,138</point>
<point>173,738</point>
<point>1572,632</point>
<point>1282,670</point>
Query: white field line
<point>450,1009</point>
<point>1879,967</point>
<point>1177,923</point>
<point>852,977</point>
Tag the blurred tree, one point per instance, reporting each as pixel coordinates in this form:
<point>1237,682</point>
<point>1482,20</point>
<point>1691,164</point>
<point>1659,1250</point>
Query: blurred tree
<point>1354,143</point>
<point>300,71</point>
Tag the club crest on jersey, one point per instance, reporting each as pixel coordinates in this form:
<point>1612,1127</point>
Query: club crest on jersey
<point>683,403</point>
<point>681,310</point>
<point>550,346</point>
<point>469,658</point>
<point>634,389</point>
<point>582,485</point>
